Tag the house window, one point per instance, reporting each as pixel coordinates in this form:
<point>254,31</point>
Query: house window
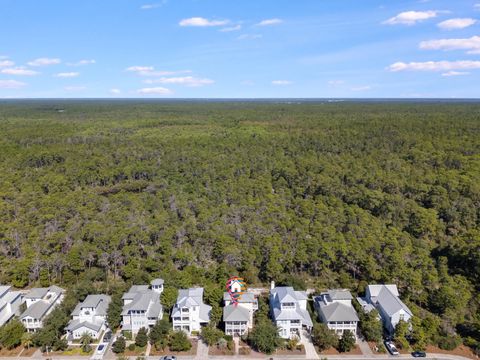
<point>402,316</point>
<point>288,305</point>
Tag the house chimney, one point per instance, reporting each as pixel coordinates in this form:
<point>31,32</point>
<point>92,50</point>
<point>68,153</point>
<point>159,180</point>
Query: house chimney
<point>272,285</point>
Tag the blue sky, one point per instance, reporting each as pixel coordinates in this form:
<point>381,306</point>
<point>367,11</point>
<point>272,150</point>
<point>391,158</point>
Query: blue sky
<point>239,49</point>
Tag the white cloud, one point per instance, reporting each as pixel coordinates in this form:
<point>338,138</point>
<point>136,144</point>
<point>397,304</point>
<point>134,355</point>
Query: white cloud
<point>476,6</point>
<point>269,22</point>
<point>151,6</point>
<point>19,71</point>
<point>185,80</point>
<point>139,68</point>
<point>336,83</point>
<point>232,28</point>
<point>455,73</point>
<point>281,82</point>
<point>435,66</point>
<point>472,45</point>
<point>6,63</point>
<point>75,88</point>
<point>115,91</point>
<point>150,71</point>
<point>457,23</point>
<point>82,62</point>
<point>155,91</point>
<point>361,88</point>
<point>411,17</point>
<point>247,82</point>
<point>11,84</point>
<point>202,22</point>
<point>44,62</point>
<point>249,37</point>
<point>67,74</point>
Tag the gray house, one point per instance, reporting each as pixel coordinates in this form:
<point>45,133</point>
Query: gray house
<point>238,318</point>
<point>89,317</point>
<point>288,309</point>
<point>141,308</point>
<point>386,300</point>
<point>40,302</point>
<point>335,309</point>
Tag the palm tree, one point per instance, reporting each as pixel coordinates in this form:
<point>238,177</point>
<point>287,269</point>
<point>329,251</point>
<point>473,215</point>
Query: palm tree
<point>27,340</point>
<point>86,340</point>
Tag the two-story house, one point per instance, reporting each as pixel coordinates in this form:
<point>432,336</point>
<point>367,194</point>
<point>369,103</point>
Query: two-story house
<point>335,309</point>
<point>189,312</point>
<point>238,317</point>
<point>10,302</point>
<point>90,317</point>
<point>40,302</point>
<point>288,309</point>
<point>141,308</point>
<point>387,301</point>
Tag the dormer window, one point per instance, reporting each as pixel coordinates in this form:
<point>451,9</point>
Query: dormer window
<point>288,305</point>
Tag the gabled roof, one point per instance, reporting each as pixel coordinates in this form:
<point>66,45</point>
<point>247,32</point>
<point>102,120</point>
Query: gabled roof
<point>391,303</point>
<point>287,294</point>
<point>375,289</point>
<point>189,297</point>
<point>337,311</point>
<point>36,293</point>
<point>294,314</point>
<point>98,302</point>
<point>235,313</point>
<point>37,310</point>
<point>246,297</point>
<point>339,294</point>
<point>142,301</point>
<point>4,289</point>
<point>39,293</point>
<point>75,325</point>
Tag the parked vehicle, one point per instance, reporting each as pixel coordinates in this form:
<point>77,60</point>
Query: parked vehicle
<point>391,348</point>
<point>419,354</point>
<point>107,337</point>
<point>168,357</point>
<point>101,349</point>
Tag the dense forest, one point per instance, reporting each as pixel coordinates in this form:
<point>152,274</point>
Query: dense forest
<point>316,194</point>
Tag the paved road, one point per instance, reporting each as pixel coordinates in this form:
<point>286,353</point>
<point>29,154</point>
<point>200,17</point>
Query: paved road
<point>332,357</point>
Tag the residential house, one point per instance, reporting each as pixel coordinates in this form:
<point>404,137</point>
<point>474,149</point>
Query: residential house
<point>141,307</point>
<point>238,317</point>
<point>189,312</point>
<point>288,309</point>
<point>10,302</point>
<point>386,300</point>
<point>89,316</point>
<point>40,302</point>
<point>335,309</point>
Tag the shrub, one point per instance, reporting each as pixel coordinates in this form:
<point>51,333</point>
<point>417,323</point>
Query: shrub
<point>132,347</point>
<point>179,342</point>
<point>346,342</point>
<point>244,350</point>
<point>449,342</point>
<point>141,339</point>
<point>119,345</point>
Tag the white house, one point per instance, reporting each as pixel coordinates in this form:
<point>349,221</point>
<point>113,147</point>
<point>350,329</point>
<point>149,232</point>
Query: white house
<point>288,309</point>
<point>141,308</point>
<point>40,302</point>
<point>335,309</point>
<point>238,318</point>
<point>89,317</point>
<point>157,285</point>
<point>10,302</point>
<point>189,312</point>
<point>386,300</point>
